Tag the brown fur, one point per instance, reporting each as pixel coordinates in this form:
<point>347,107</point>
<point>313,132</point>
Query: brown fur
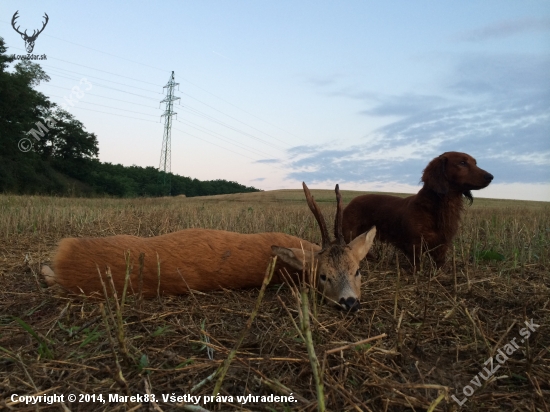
<point>432,215</point>
<point>203,259</point>
<point>199,259</point>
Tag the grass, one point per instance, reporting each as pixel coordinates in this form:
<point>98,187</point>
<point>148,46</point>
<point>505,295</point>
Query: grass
<point>440,327</point>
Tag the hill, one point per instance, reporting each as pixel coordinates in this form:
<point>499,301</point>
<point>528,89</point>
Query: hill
<point>325,195</point>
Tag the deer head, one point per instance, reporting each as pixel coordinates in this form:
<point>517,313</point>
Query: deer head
<point>29,40</point>
<point>338,275</point>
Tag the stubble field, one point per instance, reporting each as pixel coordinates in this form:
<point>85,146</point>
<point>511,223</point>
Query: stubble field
<point>442,327</point>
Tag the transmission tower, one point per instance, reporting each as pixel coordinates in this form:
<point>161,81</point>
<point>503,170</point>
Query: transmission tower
<point>165,166</point>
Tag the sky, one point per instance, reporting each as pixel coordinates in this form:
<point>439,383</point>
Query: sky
<point>273,93</point>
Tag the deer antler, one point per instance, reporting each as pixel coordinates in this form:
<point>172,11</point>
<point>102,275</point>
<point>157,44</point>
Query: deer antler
<point>318,215</point>
<point>34,33</point>
<point>15,16</point>
<point>339,218</point>
<point>43,26</point>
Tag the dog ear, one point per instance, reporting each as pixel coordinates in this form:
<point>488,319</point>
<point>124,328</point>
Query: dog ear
<point>468,195</point>
<point>434,175</point>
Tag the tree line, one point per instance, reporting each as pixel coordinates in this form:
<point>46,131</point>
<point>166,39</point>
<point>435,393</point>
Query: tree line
<point>45,150</point>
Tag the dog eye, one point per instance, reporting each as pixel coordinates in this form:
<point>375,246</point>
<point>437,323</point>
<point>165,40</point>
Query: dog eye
<point>323,278</point>
<point>463,163</point>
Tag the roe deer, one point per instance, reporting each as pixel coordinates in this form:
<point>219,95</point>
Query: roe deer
<point>204,259</point>
<point>431,216</point>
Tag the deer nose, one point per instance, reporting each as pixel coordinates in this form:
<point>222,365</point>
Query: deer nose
<point>350,304</point>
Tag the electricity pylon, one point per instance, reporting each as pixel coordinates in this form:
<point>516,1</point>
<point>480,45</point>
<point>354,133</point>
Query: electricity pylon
<point>165,166</point>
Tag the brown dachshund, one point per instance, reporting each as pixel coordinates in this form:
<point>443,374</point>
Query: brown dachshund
<point>428,219</point>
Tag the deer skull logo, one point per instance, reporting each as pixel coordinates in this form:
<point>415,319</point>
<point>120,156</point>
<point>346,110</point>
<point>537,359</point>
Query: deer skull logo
<point>29,40</point>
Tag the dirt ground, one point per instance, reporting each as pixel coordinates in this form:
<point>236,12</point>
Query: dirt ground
<point>474,336</point>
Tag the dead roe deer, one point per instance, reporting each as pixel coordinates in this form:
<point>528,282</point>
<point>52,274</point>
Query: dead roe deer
<point>204,260</point>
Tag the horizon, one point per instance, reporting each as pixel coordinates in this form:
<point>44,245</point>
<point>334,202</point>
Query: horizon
<point>273,94</point>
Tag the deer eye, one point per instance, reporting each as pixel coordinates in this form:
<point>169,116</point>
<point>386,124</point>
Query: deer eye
<point>323,278</point>
<point>357,273</point>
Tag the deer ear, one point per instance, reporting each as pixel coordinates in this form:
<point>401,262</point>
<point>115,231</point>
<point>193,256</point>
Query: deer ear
<point>361,245</point>
<point>292,257</point>
<point>434,175</point>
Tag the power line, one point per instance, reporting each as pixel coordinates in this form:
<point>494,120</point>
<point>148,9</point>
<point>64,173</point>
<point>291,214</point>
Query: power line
<point>188,81</point>
<point>208,117</point>
<point>114,114</point>
<point>247,112</point>
<point>225,148</point>
<point>187,108</point>
<point>209,142</point>
<point>211,107</point>
<point>157,68</point>
<point>103,97</point>
<point>219,136</point>
<point>203,114</point>
<point>95,77</point>
<point>189,123</point>
<point>108,87</point>
<point>194,111</point>
<point>191,109</point>
<point>93,68</point>
<point>109,107</point>
<point>252,127</point>
<point>231,127</point>
<point>109,54</point>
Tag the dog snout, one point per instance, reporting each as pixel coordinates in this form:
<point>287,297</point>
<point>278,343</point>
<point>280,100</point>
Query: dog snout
<point>489,177</point>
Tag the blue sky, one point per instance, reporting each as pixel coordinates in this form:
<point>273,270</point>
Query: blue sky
<point>359,93</point>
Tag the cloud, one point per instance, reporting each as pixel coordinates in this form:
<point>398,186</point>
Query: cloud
<point>336,168</point>
<point>405,105</point>
<point>322,81</point>
<point>513,75</point>
<point>397,105</point>
<point>505,167</point>
<point>506,28</point>
<point>497,108</point>
<point>268,161</point>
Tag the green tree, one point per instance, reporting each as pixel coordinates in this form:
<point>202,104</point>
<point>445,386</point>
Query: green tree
<point>20,107</point>
<point>64,150</point>
<point>59,141</point>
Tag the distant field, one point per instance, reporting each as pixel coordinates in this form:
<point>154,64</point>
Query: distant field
<point>297,195</point>
<point>441,326</point>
